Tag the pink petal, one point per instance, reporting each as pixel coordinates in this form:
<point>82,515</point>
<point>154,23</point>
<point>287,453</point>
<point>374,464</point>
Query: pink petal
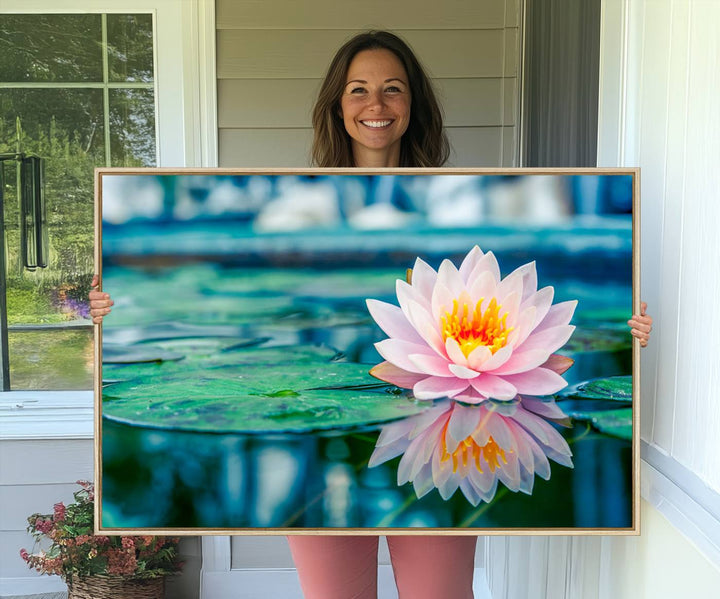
<point>426,327</point>
<point>454,353</point>
<point>524,451</point>
<point>529,276</point>
<point>432,365</point>
<point>423,278</point>
<point>559,314</point>
<point>498,429</point>
<point>469,262</point>
<point>483,286</point>
<point>558,363</point>
<point>424,422</point>
<point>392,433</point>
<point>478,357</point>
<point>392,321</point>
<point>406,294</point>
<point>449,277</point>
<point>549,340</point>
<point>521,361</point>
<point>542,300</point>
<point>546,409</point>
<point>512,283</point>
<point>463,421</point>
<point>470,396</point>
<point>436,387</point>
<point>510,304</point>
<point>470,492</point>
<point>385,371</point>
<point>494,387</point>
<point>380,455</point>
<point>539,381</point>
<point>397,352</point>
<point>442,301</point>
<point>523,326</point>
<point>498,359</point>
<point>488,263</point>
<point>462,372</point>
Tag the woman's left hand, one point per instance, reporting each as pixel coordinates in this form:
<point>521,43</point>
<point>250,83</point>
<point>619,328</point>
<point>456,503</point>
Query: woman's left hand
<point>641,325</point>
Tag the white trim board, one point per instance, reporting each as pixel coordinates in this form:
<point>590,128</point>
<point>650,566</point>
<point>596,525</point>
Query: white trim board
<point>37,587</point>
<point>46,415</point>
<point>693,509</point>
<point>284,584</point>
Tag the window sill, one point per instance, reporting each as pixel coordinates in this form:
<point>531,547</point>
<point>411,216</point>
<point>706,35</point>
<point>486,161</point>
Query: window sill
<point>46,415</point>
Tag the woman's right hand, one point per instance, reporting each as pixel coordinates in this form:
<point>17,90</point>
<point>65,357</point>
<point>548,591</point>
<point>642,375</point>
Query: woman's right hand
<point>100,302</point>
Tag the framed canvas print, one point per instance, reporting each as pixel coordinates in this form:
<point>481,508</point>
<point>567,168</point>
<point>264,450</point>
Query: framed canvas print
<point>363,352</point>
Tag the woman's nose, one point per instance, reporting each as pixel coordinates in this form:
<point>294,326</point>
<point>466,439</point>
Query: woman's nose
<point>376,99</point>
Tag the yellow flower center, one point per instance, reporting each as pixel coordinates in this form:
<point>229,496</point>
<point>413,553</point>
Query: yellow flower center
<point>468,450</point>
<point>486,328</point>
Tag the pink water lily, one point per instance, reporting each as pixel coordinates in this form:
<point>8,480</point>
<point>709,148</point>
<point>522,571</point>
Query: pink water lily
<point>472,448</point>
<point>467,334</point>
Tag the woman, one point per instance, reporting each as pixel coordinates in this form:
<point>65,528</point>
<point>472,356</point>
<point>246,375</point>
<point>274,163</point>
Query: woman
<point>376,108</point>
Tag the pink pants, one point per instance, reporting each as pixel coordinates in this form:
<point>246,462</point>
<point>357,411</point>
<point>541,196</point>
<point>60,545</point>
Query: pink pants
<point>425,567</point>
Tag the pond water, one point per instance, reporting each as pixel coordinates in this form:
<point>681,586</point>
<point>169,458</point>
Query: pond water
<point>238,396</point>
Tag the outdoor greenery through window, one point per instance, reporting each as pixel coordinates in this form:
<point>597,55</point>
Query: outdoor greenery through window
<point>78,91</point>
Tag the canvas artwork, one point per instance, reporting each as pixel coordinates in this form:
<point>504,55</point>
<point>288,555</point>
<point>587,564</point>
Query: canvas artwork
<point>360,351</point>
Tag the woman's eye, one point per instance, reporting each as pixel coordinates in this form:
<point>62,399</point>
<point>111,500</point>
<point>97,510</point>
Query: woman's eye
<point>357,90</point>
<point>393,89</point>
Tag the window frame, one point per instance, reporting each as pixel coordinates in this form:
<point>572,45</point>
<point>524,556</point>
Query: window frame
<point>184,32</point>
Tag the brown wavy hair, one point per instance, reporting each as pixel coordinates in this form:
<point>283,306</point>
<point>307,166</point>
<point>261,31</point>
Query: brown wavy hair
<point>423,144</point>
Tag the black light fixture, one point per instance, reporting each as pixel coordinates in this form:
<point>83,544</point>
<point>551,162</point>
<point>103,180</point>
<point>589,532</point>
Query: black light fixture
<point>33,237</point>
<point>33,214</point>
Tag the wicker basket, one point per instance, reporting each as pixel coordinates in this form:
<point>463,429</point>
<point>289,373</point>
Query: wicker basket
<point>116,587</point>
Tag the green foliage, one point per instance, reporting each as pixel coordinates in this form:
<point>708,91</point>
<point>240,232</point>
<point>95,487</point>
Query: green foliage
<point>66,127</point>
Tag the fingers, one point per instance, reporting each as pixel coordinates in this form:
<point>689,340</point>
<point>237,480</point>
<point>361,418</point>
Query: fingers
<point>641,325</point>
<point>100,302</point>
<point>97,314</point>
<point>641,336</point>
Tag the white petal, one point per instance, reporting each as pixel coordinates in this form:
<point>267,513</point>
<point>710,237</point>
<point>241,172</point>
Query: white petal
<point>433,365</point>
<point>488,263</point>
<point>469,262</point>
<point>423,277</point>
<point>463,421</point>
<point>462,372</point>
<point>449,277</point>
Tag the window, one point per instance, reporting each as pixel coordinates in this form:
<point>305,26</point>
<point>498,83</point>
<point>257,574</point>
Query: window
<point>76,90</point>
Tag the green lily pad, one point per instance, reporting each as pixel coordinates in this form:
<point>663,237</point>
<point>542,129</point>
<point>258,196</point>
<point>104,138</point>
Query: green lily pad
<point>614,388</point>
<point>598,340</point>
<point>258,390</point>
<point>122,354</point>
<point>616,423</point>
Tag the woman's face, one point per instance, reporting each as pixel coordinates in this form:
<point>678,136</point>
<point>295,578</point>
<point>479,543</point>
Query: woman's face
<point>375,105</point>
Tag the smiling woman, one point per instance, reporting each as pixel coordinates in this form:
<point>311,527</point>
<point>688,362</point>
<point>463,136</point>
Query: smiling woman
<point>376,108</point>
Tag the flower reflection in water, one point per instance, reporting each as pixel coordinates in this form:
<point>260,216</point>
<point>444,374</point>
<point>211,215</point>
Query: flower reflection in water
<point>474,446</point>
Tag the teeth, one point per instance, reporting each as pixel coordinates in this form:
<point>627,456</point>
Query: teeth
<point>376,123</point>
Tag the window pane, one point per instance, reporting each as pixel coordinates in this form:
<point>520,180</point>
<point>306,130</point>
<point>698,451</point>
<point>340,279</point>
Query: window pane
<point>50,48</point>
<point>50,332</point>
<point>55,359</point>
<point>130,47</point>
<point>132,127</point>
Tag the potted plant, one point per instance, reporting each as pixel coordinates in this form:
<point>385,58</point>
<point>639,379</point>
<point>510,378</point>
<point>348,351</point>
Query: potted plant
<point>98,566</point>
